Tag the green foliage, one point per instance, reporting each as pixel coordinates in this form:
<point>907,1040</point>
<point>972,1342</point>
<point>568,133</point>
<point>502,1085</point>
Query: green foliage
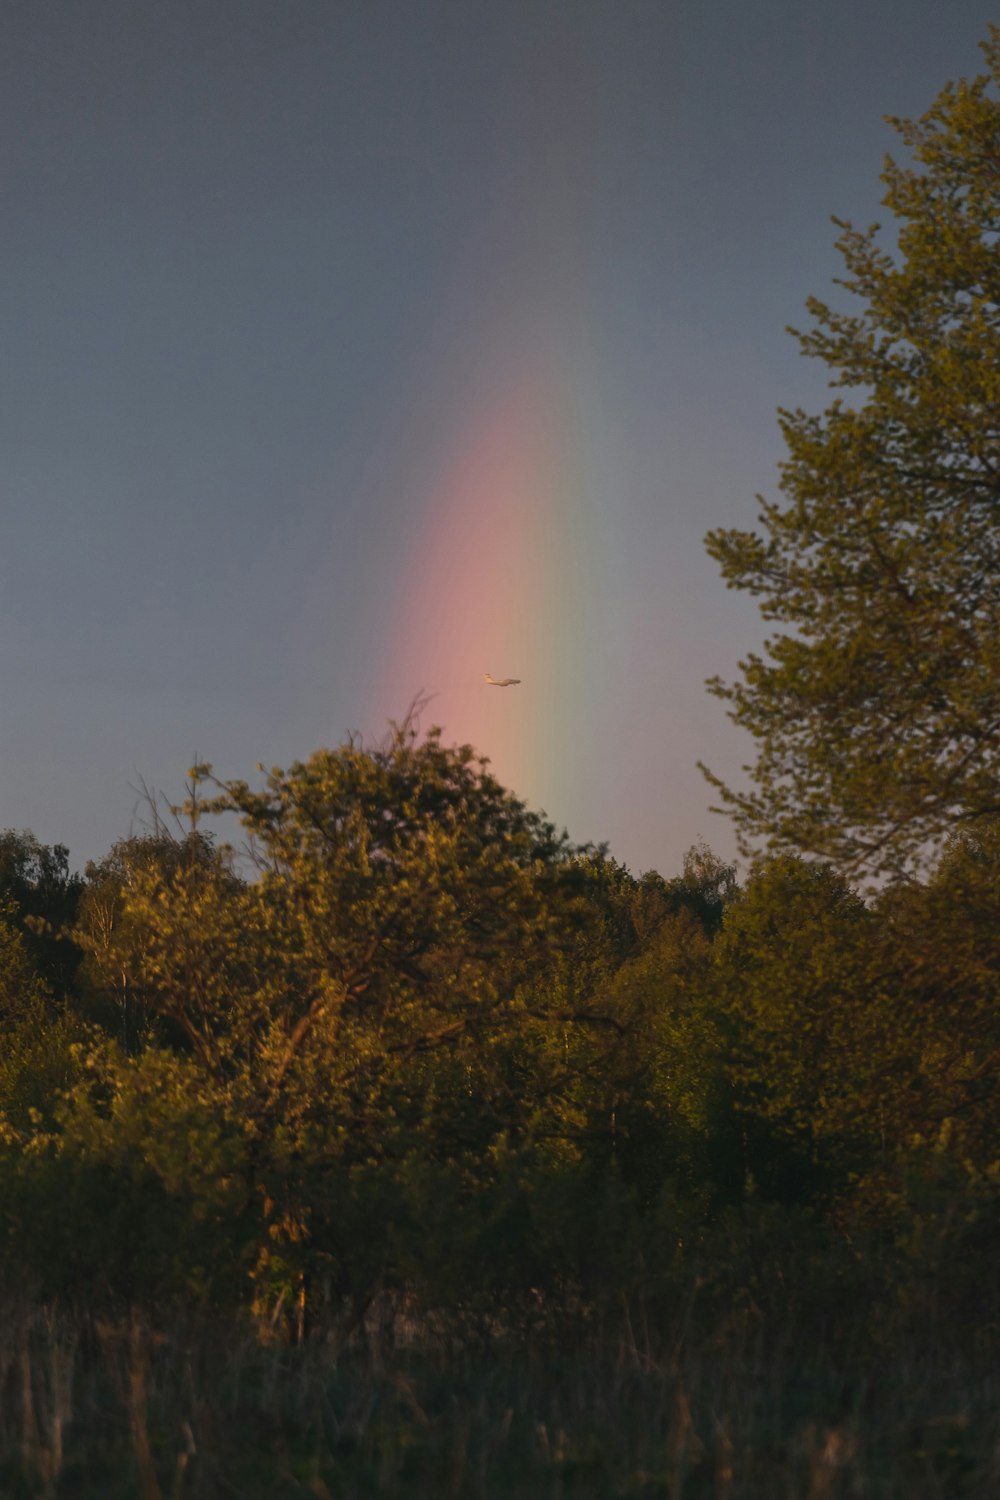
<point>108,929</point>
<point>34,1057</point>
<point>419,1069</point>
<point>789,980</point>
<point>35,880</point>
<point>862,1042</point>
<point>402,1001</point>
<point>664,1094</point>
<point>876,709</point>
<point>937,962</point>
<point>423,1053</point>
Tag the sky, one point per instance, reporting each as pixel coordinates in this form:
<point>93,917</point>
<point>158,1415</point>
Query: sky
<point>352,349</point>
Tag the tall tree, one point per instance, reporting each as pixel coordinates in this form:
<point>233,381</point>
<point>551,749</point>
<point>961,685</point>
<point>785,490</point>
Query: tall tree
<point>876,708</point>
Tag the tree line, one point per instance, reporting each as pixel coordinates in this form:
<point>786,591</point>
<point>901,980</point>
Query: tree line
<point>415,1050</point>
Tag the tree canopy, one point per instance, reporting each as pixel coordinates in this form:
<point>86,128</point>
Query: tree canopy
<point>876,707</point>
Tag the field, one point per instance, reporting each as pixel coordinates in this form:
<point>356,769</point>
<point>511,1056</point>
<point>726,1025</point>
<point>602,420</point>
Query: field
<point>97,1410</point>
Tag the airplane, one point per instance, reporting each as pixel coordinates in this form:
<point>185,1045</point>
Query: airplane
<point>501,681</point>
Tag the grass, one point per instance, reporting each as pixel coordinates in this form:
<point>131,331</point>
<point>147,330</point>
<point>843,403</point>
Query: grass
<point>98,1410</point>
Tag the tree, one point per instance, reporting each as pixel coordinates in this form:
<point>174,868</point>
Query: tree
<point>936,962</point>
<point>790,990</point>
<point>36,1032</point>
<point>36,879</point>
<point>876,709</point>
<point>864,1040</point>
<point>382,1013</point>
<point>408,894</point>
<point>105,931</point>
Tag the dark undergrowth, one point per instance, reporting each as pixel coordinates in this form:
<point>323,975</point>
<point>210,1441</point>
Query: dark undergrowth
<point>105,1408</point>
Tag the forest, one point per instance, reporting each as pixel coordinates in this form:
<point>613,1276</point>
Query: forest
<point>397,1145</point>
<point>416,1086</point>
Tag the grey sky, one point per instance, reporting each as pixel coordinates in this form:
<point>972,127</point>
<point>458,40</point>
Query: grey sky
<point>260,260</point>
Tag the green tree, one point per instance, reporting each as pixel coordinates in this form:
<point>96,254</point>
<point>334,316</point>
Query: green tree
<point>36,879</point>
<point>383,1012</point>
<point>936,962</point>
<point>876,709</point>
<point>790,990</point>
<point>863,1041</point>
<point>106,933</point>
<point>408,893</point>
<point>34,1059</point>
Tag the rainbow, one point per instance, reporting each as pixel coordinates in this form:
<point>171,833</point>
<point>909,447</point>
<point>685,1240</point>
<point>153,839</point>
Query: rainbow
<point>502,576</point>
<point>508,553</point>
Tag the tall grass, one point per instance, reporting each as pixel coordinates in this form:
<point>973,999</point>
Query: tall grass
<point>98,1409</point>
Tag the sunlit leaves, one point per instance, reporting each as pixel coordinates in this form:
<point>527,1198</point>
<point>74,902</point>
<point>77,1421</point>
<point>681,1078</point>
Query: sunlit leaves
<point>876,709</point>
